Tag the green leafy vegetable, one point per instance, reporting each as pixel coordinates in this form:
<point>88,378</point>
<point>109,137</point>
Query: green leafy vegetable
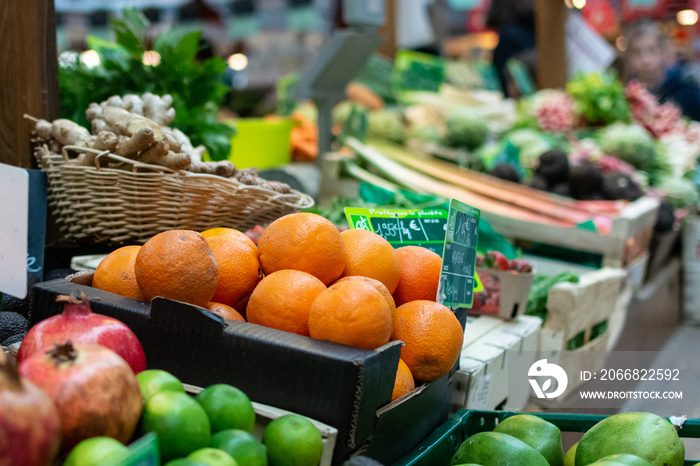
<point>629,143</point>
<point>465,130</point>
<point>539,292</point>
<point>387,124</point>
<point>197,86</point>
<point>600,98</point>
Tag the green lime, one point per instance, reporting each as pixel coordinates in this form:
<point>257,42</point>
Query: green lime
<point>180,422</point>
<point>154,381</point>
<point>292,440</point>
<point>242,446</point>
<point>227,408</point>
<point>570,457</point>
<point>95,451</point>
<point>185,462</point>
<point>212,457</point>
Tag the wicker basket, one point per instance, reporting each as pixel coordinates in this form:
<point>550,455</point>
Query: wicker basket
<point>97,204</point>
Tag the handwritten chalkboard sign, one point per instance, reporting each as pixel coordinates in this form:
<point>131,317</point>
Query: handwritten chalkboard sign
<point>458,275</point>
<point>403,227</point>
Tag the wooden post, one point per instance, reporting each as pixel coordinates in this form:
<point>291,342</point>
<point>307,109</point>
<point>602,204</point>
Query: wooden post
<point>550,24</point>
<point>28,74</point>
<point>388,30</point>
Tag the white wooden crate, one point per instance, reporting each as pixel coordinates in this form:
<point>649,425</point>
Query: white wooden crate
<point>573,308</point>
<point>264,414</point>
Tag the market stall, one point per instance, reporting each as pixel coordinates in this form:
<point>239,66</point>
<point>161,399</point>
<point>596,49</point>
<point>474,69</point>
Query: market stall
<point>388,268</point>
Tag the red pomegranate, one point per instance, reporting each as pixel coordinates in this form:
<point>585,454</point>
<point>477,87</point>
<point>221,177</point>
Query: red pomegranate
<point>80,325</point>
<point>29,425</point>
<point>94,389</point>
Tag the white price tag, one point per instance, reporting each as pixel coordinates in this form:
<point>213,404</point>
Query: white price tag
<point>480,394</point>
<point>14,212</point>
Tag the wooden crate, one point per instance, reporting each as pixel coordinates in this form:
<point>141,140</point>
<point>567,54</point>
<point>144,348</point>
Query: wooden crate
<point>628,240</point>
<point>573,308</point>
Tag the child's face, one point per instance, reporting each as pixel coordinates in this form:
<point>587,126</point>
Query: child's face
<point>646,60</point>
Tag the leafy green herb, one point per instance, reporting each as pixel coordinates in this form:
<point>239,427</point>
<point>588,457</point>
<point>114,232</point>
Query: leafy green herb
<point>197,86</point>
<point>600,98</point>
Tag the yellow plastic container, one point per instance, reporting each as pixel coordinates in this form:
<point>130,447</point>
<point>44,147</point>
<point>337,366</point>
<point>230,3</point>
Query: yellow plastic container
<point>260,142</point>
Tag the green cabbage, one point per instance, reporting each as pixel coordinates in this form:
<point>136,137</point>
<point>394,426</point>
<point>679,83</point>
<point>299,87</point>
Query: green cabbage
<point>629,143</point>
<point>466,130</point>
<point>387,124</point>
<point>428,134</point>
<point>679,192</point>
<point>530,144</point>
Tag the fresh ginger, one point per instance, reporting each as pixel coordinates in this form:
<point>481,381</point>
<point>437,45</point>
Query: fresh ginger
<point>131,146</point>
<point>66,132</point>
<point>158,109</point>
<point>223,168</point>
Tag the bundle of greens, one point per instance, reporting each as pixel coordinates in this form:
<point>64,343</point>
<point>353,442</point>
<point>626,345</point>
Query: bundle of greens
<point>600,98</point>
<point>197,87</point>
<point>539,292</point>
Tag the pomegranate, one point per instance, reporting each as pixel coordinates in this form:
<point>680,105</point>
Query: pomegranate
<point>79,324</point>
<point>94,389</point>
<point>29,425</point>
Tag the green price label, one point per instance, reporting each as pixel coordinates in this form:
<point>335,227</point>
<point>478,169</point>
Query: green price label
<point>403,227</point>
<point>458,277</point>
<point>414,71</point>
<point>144,452</point>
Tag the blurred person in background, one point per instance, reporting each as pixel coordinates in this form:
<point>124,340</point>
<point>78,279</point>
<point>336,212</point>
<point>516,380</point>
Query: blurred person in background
<point>651,59</point>
<point>514,20</point>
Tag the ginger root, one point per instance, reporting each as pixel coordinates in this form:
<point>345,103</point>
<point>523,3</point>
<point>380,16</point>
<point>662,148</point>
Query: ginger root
<point>68,133</point>
<point>223,168</point>
<point>131,146</point>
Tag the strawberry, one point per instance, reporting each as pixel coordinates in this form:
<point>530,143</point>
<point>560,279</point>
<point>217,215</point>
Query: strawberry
<point>520,266</point>
<point>501,260</point>
<point>495,260</point>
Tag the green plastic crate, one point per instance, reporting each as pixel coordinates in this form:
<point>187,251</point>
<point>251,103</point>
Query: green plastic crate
<point>437,449</point>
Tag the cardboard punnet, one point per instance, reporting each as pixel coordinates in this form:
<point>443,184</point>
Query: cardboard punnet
<point>505,294</point>
<point>338,385</point>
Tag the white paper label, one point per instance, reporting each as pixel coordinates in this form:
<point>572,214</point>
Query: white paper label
<point>14,208</point>
<point>481,393</point>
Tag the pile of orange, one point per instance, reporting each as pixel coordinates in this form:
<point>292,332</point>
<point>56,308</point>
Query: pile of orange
<point>304,277</point>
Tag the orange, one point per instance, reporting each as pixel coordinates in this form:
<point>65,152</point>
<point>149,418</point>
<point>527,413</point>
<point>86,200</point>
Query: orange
<point>404,382</point>
<point>305,242</point>
<point>282,300</point>
<point>227,312</point>
<point>179,265</point>
<point>369,255</point>
<point>419,274</point>
<point>229,232</point>
<point>239,269</point>
<point>432,338</point>
<point>351,313</point>
<point>115,273</point>
<point>377,285</point>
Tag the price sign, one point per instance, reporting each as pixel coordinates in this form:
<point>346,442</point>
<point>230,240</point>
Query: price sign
<point>429,229</point>
<point>14,210</point>
<point>414,71</point>
<point>458,275</point>
<point>403,227</point>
